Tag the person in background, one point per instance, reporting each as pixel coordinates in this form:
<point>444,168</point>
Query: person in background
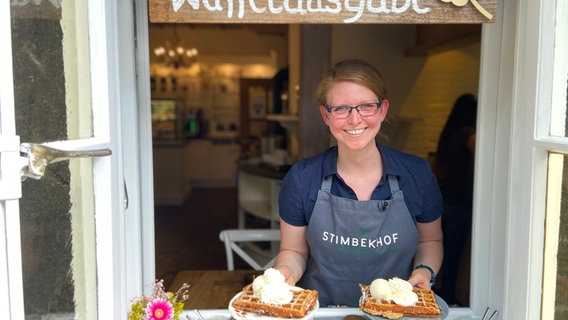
<point>360,210</point>
<point>453,165</point>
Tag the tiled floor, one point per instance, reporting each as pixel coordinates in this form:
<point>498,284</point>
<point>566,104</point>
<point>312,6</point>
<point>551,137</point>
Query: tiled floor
<point>187,236</point>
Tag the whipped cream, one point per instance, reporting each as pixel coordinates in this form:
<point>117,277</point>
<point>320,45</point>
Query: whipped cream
<point>272,288</point>
<point>397,290</point>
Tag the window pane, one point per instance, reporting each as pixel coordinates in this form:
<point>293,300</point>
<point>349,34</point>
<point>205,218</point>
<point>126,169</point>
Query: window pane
<point>559,118</point>
<point>52,102</point>
<point>555,279</point>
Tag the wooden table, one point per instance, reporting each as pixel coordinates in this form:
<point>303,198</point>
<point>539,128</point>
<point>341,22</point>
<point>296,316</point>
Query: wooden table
<point>212,289</point>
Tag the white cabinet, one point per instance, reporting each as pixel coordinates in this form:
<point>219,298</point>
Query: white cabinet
<point>171,175</point>
<point>258,196</point>
<point>210,164</point>
<point>197,160</point>
<point>180,165</point>
<point>223,163</point>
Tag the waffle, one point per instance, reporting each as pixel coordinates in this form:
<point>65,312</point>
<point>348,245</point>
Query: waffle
<point>302,302</point>
<point>426,307</point>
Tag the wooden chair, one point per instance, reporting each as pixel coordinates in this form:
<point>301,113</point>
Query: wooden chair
<point>242,242</point>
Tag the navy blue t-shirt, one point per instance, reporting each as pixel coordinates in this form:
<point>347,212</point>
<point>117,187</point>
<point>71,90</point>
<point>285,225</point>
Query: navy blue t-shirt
<point>301,184</point>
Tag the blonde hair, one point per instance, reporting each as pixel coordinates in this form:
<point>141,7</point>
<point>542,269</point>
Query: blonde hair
<point>357,71</point>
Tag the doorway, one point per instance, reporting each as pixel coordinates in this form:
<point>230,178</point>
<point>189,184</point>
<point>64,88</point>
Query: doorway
<point>422,85</point>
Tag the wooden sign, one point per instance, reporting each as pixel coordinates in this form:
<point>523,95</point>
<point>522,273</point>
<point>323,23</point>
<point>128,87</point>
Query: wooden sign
<point>324,11</point>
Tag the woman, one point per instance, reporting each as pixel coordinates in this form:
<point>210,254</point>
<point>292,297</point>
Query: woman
<point>358,211</point>
<point>454,168</point>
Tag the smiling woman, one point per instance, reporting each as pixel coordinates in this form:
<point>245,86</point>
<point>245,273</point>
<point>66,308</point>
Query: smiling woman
<point>359,210</point>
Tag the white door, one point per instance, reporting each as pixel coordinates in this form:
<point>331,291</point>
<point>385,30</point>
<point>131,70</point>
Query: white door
<point>70,233</point>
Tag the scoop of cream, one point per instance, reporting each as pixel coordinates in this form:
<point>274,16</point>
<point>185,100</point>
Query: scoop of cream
<point>395,289</point>
<point>271,287</point>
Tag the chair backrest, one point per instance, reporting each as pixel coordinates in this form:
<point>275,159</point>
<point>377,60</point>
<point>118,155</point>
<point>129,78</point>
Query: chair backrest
<point>241,242</point>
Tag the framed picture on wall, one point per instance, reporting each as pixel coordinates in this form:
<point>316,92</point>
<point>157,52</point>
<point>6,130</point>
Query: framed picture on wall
<point>258,99</point>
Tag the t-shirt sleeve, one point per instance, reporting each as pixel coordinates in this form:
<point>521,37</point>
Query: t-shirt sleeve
<point>290,199</point>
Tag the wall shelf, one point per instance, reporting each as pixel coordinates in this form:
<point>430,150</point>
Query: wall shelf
<point>282,117</point>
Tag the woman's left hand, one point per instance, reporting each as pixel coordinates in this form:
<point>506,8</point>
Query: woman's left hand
<point>430,252</point>
<point>420,278</point>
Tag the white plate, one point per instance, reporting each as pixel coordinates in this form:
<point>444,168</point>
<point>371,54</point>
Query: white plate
<point>441,304</point>
<point>239,314</point>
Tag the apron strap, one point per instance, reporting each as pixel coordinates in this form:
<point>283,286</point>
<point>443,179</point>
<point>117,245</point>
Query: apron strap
<point>395,189</point>
<point>326,184</point>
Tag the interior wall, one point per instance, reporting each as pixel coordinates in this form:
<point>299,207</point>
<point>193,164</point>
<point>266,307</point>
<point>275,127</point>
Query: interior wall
<point>383,46</point>
<point>442,79</point>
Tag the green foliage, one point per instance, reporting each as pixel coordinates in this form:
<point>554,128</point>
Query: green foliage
<point>138,307</point>
<point>178,309</point>
<point>136,311</point>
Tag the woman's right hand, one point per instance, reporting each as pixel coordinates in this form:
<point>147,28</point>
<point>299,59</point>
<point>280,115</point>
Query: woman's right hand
<point>294,252</point>
<point>288,276</point>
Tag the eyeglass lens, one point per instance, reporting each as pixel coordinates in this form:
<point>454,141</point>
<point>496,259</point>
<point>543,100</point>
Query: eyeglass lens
<point>364,110</point>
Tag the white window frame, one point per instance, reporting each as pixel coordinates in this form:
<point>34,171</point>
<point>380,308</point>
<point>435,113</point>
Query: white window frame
<point>128,66</point>
<point>512,150</point>
<point>136,124</point>
<point>509,204</point>
<point>124,236</point>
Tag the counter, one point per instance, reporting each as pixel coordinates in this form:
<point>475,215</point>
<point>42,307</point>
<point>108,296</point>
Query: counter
<point>259,186</point>
<point>180,165</point>
<point>322,313</point>
<point>264,170</point>
<point>170,143</point>
<point>211,291</point>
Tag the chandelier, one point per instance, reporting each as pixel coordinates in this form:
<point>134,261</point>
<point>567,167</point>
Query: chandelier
<point>173,54</point>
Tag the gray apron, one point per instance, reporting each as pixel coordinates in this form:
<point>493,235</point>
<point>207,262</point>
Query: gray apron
<point>354,242</point>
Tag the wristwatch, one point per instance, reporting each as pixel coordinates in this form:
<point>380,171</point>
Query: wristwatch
<point>432,274</point>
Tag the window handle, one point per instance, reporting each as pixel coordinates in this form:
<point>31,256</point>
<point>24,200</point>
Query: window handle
<point>125,195</point>
<point>39,156</point>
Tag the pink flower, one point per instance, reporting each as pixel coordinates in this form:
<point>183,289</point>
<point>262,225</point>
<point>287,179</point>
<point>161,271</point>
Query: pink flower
<point>159,309</point>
